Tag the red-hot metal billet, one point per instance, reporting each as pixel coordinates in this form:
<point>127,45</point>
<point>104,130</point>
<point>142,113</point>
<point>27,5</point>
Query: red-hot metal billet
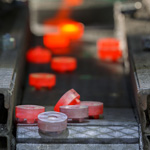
<point>75,112</point>
<point>109,49</point>
<point>38,55</point>
<point>52,122</point>
<point>63,64</point>
<point>69,98</point>
<point>39,80</point>
<point>95,108</point>
<point>28,113</point>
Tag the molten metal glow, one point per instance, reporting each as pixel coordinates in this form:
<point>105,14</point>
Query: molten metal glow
<point>73,30</point>
<point>73,2</point>
<point>54,41</point>
<point>38,55</point>
<point>109,49</point>
<point>63,64</point>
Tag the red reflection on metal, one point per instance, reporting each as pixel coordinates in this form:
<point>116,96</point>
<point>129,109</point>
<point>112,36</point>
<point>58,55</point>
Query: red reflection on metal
<point>38,55</point>
<point>109,49</point>
<point>28,113</point>
<point>52,122</point>
<point>71,97</point>
<point>40,80</point>
<point>75,112</point>
<point>95,108</point>
<point>63,64</point>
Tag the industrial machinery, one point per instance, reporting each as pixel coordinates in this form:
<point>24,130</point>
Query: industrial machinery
<point>74,74</point>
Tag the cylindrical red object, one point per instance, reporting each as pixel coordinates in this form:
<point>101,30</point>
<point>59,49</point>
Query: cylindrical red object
<point>56,41</point>
<point>63,64</point>
<point>38,55</point>
<point>109,49</point>
<point>52,122</point>
<point>71,97</point>
<point>28,113</point>
<point>75,112</point>
<point>95,108</point>
<point>39,80</point>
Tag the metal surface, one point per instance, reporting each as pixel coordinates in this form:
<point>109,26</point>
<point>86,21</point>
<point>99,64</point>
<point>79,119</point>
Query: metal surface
<point>81,134</point>
<point>135,28</point>
<point>11,65</point>
<point>78,146</point>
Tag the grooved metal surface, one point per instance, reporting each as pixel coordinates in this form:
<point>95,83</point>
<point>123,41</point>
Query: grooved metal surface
<point>81,134</point>
<point>78,146</point>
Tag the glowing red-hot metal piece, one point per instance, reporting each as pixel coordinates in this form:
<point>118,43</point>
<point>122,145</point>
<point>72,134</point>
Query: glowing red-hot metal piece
<point>95,108</point>
<point>38,55</point>
<point>52,122</point>
<point>73,30</point>
<point>54,41</point>
<point>71,97</point>
<point>28,113</point>
<point>109,49</point>
<point>40,80</point>
<point>73,2</point>
<point>63,64</point>
<point>75,112</point>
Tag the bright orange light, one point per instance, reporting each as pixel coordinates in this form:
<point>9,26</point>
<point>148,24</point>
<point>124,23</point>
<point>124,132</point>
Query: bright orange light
<point>109,49</point>
<point>72,30</point>
<point>73,2</point>
<point>54,41</point>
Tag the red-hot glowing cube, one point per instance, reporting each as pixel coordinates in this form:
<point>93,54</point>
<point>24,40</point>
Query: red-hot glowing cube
<point>109,49</point>
<point>63,64</point>
<point>38,55</point>
<point>40,80</point>
<point>28,113</point>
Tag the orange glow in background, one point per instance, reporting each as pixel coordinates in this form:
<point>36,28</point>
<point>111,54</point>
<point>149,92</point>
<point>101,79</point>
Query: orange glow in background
<point>73,31</point>
<point>73,2</point>
<point>68,29</point>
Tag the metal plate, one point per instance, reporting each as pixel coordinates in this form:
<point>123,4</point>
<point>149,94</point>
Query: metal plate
<point>77,146</point>
<point>77,134</point>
